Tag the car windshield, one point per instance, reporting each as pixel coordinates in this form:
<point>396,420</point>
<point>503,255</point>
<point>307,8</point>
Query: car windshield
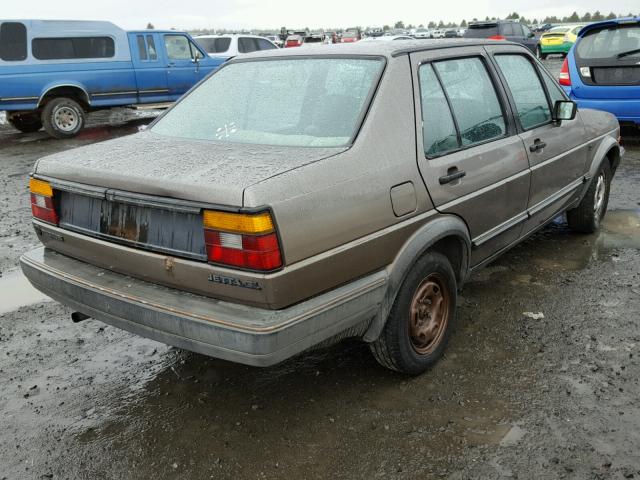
<point>215,45</point>
<point>292,102</point>
<point>610,42</point>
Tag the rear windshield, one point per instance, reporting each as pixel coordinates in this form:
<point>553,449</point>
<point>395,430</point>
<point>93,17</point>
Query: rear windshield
<point>215,45</point>
<point>610,43</point>
<point>295,102</point>
<point>481,31</point>
<point>558,30</point>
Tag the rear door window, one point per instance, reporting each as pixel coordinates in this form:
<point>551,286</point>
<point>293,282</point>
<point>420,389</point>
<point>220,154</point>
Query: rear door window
<point>247,45</point>
<point>476,108</point>
<point>215,45</point>
<point>151,48</point>
<point>526,89</point>
<point>13,42</point>
<point>142,47</point>
<point>265,44</point>
<point>508,30</point>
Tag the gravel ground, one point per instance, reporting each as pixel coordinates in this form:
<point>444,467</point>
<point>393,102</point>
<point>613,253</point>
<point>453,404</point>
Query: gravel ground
<point>555,396</point>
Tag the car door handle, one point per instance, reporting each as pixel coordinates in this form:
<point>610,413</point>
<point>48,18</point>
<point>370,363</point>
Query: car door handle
<point>452,175</point>
<point>537,145</point>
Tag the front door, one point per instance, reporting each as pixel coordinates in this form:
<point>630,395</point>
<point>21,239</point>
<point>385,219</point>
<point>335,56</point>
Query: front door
<point>469,154</point>
<point>557,153</point>
<point>183,64</point>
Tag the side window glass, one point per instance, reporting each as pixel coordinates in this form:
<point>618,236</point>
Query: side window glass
<point>473,98</point>
<point>13,42</point>
<point>555,92</point>
<point>178,47</point>
<point>526,89</point>
<point>507,30</point>
<point>195,51</point>
<point>142,48</point>
<point>151,48</point>
<point>526,30</point>
<point>517,29</point>
<point>265,45</point>
<point>246,45</point>
<point>438,130</point>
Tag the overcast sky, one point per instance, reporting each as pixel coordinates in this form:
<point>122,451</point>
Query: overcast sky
<point>189,14</point>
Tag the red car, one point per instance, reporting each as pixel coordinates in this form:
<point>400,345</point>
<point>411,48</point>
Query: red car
<point>293,41</point>
<point>349,37</point>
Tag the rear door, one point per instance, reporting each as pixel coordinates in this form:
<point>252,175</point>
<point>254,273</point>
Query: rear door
<point>470,157</point>
<point>151,78</point>
<point>183,64</point>
<point>608,62</point>
<point>557,152</point>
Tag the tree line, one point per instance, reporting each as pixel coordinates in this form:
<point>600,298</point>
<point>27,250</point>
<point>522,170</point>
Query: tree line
<point>573,18</point>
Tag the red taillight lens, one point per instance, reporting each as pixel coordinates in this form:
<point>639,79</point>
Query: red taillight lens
<point>565,77</point>
<point>42,206</point>
<point>242,240</point>
<point>497,37</point>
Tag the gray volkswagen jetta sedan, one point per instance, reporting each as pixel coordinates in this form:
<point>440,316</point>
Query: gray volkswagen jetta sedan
<point>302,196</point>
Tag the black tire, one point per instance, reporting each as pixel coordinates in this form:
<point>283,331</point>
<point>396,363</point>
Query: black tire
<point>586,217</point>
<point>539,54</point>
<point>63,117</point>
<point>400,347</point>
<point>27,123</point>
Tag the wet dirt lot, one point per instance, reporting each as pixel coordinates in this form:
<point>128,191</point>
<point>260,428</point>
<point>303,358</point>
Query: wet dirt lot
<point>517,395</point>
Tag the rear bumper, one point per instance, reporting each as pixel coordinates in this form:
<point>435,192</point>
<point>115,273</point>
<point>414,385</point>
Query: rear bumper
<point>625,110</point>
<point>233,332</point>
<point>550,49</point>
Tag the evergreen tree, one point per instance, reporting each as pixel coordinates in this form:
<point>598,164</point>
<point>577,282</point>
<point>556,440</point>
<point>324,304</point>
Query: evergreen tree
<point>574,17</point>
<point>463,24</point>
<point>597,16</point>
<point>150,26</point>
<point>587,17</point>
<point>399,24</point>
<point>611,16</point>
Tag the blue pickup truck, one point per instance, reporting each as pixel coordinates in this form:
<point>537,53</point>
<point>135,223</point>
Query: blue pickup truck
<point>52,73</point>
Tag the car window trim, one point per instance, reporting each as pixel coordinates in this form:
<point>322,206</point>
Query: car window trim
<point>508,92</point>
<point>501,100</point>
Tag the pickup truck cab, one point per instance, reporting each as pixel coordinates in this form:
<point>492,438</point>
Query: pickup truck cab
<point>301,196</point>
<point>52,73</point>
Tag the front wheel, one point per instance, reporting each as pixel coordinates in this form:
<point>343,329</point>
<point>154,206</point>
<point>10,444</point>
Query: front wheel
<point>27,123</point>
<point>419,324</point>
<point>586,217</point>
<point>63,117</point>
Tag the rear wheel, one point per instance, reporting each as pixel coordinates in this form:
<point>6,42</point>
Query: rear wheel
<point>63,117</point>
<point>27,123</point>
<point>586,217</point>
<point>539,54</point>
<point>419,324</point>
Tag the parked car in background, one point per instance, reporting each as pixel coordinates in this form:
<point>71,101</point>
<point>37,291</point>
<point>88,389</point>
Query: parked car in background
<point>438,33</point>
<point>294,41</point>
<point>558,40</point>
<point>602,70</point>
<point>510,30</point>
<point>275,39</point>
<point>421,33</point>
<point>52,73</point>
<point>280,205</point>
<point>461,31</point>
<point>313,38</point>
<point>543,28</point>
<point>224,47</point>
<point>387,38</point>
<point>349,37</point>
<point>451,33</point>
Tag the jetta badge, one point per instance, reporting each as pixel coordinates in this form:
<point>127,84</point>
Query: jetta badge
<point>235,282</point>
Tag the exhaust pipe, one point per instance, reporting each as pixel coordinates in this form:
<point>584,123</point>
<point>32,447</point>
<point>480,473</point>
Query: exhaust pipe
<point>78,317</point>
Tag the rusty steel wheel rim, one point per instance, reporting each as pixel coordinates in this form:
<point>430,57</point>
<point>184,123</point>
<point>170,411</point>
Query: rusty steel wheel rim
<point>429,314</point>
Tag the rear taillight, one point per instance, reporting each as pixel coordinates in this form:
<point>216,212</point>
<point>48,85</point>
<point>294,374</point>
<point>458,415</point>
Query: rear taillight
<point>497,37</point>
<point>565,78</point>
<point>42,206</point>
<point>242,240</point>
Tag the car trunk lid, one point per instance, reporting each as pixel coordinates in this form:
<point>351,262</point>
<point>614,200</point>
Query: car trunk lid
<point>200,171</point>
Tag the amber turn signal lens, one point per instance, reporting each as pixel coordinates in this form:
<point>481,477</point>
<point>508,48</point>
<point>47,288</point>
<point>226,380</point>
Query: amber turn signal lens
<point>40,187</point>
<point>253,224</point>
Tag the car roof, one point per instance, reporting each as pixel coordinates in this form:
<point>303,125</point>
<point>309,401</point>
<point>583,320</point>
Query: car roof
<point>385,49</point>
<point>230,35</point>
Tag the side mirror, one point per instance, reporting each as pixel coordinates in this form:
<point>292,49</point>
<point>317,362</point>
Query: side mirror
<point>564,110</point>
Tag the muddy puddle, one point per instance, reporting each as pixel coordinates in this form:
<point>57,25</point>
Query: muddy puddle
<point>16,292</point>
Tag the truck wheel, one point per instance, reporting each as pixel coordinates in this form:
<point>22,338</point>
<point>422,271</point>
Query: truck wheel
<point>586,217</point>
<point>63,118</point>
<point>27,123</point>
<point>419,324</point>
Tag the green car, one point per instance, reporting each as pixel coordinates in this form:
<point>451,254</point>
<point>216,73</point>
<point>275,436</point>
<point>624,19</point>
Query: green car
<point>558,40</point>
